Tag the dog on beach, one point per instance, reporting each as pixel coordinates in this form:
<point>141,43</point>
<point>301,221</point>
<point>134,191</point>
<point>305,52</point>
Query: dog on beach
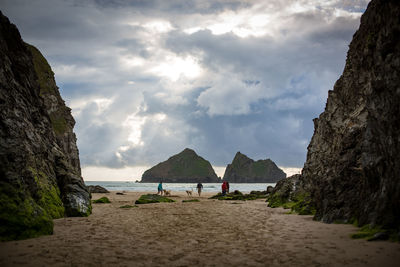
<point>167,192</point>
<point>189,193</point>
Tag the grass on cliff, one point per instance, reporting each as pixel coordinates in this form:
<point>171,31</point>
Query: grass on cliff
<point>58,122</point>
<point>45,78</point>
<point>199,167</point>
<point>43,71</point>
<point>152,198</point>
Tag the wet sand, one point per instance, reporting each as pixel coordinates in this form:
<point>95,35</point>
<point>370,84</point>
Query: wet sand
<point>205,233</point>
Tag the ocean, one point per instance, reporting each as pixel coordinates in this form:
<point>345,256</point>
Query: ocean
<point>149,187</point>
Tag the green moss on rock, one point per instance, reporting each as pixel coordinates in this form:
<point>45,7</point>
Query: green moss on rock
<point>298,203</point>
<point>372,233</point>
<point>102,200</point>
<point>58,123</point>
<point>20,216</point>
<point>152,198</point>
<point>367,232</point>
<point>276,200</point>
<point>48,194</point>
<point>236,195</point>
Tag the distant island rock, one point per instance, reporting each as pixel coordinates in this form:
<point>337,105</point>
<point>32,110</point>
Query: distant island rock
<point>185,167</point>
<point>245,170</point>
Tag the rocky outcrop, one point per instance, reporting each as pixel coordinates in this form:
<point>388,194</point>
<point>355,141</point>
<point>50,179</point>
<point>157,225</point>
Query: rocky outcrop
<point>245,170</point>
<point>97,189</point>
<point>185,167</point>
<point>353,169</point>
<point>40,175</point>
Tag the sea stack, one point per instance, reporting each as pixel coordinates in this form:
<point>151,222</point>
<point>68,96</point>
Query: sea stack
<point>39,161</point>
<point>185,167</point>
<point>245,170</point>
<point>352,172</point>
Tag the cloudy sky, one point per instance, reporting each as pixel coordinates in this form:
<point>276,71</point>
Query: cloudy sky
<point>147,78</point>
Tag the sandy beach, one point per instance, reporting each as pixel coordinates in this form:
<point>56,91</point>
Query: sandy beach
<point>205,233</point>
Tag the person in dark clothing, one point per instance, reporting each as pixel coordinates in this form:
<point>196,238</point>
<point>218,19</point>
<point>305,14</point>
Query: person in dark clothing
<point>199,188</point>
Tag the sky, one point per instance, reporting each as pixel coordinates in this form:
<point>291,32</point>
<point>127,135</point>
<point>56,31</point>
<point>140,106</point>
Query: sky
<point>147,78</point>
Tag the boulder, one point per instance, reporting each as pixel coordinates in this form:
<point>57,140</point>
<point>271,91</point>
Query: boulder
<point>97,189</point>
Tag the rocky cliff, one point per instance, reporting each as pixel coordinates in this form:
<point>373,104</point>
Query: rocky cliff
<point>40,175</point>
<point>185,167</point>
<point>245,170</point>
<point>353,169</point>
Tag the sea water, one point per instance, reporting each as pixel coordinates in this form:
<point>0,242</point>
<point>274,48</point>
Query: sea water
<point>152,187</point>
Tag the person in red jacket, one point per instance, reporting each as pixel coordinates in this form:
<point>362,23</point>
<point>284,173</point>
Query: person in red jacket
<point>224,187</point>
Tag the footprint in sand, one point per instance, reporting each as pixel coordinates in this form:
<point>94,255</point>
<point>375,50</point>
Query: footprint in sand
<point>176,257</point>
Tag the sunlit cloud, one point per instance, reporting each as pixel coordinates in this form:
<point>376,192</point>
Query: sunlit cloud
<point>158,26</point>
<point>174,67</point>
<point>134,124</point>
<point>144,82</point>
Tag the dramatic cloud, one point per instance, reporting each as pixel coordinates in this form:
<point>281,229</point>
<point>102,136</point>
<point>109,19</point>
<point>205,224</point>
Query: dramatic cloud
<point>145,79</point>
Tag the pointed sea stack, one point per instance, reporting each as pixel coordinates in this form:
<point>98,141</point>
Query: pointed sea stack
<point>245,170</point>
<point>352,170</point>
<point>40,175</point>
<point>185,167</point>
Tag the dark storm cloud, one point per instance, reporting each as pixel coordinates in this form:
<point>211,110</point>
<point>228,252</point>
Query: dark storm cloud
<point>172,7</point>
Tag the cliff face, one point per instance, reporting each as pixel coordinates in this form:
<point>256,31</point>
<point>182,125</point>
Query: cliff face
<point>39,163</point>
<point>245,170</point>
<point>353,168</point>
<point>185,167</point>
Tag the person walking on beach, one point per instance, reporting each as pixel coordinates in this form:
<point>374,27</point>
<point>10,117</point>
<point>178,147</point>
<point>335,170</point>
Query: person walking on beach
<point>199,188</point>
<point>160,189</point>
<point>227,187</point>
<point>224,188</point>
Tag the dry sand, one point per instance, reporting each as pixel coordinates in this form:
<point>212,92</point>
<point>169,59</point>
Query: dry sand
<point>207,233</point>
